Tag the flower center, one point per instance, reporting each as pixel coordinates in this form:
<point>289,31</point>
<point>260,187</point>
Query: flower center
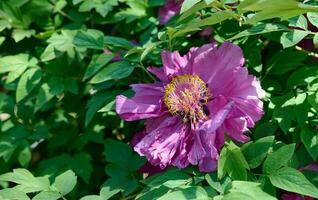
<point>187,96</point>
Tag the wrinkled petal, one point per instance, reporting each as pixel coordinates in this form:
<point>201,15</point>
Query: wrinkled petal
<point>252,110</point>
<point>217,117</point>
<point>160,145</point>
<point>153,123</point>
<point>216,65</point>
<point>145,104</point>
<point>203,151</point>
<point>198,56</point>
<point>172,63</point>
<point>159,73</point>
<point>235,127</point>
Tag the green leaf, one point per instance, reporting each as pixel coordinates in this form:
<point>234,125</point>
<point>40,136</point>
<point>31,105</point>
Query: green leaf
<point>277,65</point>
<point>292,180</point>
<point>13,193</point>
<point>25,155</point>
<point>266,9</point>
<point>82,166</point>
<point>27,182</point>
<point>187,4</point>
<point>62,42</point>
<point>97,101</point>
<point>65,182</point>
<point>28,81</point>
<point>4,23</point>
<point>117,42</point>
<point>44,96</point>
<point>232,161</point>
<point>209,1</point>
<point>7,149</point>
<point>114,71</point>
<point>13,75</point>
<point>246,190</point>
<point>123,162</point>
<point>255,152</point>
<point>196,24</point>
<point>309,137</point>
<point>91,38</point>
<point>315,40</point>
<point>302,77</point>
<point>313,100</point>
<point>186,193</point>
<point>192,10</point>
<point>11,63</point>
<point>299,21</point>
<point>260,29</point>
<point>47,195</point>
<point>20,34</point>
<point>217,17</point>
<point>218,185</point>
<point>278,159</point>
<point>92,197</point>
<point>103,7</point>
<point>107,192</point>
<point>121,154</point>
<point>284,112</point>
<point>313,18</point>
<point>121,182</point>
<point>2,39</point>
<point>293,37</point>
<point>96,64</point>
<point>301,108</point>
<point>171,179</point>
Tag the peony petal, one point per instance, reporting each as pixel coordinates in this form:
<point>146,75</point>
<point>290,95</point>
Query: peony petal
<point>235,127</point>
<point>216,118</point>
<point>160,145</point>
<point>172,63</point>
<point>198,56</point>
<point>203,151</point>
<point>216,65</point>
<point>159,73</point>
<point>153,123</point>
<point>197,151</point>
<point>145,104</point>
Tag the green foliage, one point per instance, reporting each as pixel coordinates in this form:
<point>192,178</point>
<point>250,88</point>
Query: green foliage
<point>290,179</point>
<point>246,190</point>
<point>278,158</point>
<point>27,183</point>
<point>232,161</point>
<point>63,62</point>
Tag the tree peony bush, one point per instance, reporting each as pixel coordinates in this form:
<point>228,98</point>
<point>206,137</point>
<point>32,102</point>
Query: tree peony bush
<point>158,99</point>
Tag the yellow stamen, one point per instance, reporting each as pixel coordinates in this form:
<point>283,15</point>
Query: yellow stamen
<point>186,95</point>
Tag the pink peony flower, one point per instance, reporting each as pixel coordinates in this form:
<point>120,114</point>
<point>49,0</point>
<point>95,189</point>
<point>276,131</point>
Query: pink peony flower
<point>295,196</point>
<point>200,97</point>
<point>170,9</point>
<point>147,168</point>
